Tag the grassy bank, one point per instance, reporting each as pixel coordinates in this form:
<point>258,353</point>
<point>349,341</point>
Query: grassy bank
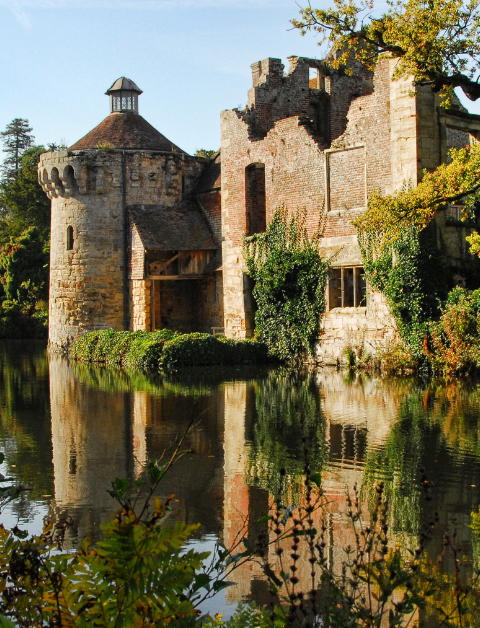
<point>165,350</point>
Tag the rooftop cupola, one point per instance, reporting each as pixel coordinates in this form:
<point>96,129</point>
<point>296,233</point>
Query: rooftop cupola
<point>123,96</point>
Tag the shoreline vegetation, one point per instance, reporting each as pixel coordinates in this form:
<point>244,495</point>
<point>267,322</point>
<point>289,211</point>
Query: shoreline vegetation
<point>166,350</point>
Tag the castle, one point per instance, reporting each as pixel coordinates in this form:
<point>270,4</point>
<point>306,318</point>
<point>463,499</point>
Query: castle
<point>145,236</point>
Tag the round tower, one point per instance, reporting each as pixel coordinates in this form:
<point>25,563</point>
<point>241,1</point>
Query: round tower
<point>123,161</point>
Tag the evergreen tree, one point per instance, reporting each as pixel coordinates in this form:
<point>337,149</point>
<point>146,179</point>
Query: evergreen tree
<point>16,138</point>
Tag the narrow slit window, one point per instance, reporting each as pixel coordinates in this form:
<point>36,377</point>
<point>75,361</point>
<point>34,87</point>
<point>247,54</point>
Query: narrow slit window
<point>70,239</point>
<point>347,287</point>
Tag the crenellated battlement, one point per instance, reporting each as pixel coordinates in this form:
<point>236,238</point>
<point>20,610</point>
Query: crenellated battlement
<point>164,177</point>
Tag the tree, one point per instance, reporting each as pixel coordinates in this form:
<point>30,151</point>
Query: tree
<point>16,138</point>
<point>25,204</point>
<point>437,42</point>
<point>205,153</point>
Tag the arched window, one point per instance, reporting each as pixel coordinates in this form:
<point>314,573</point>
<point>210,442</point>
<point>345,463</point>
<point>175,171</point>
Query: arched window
<point>70,239</point>
<point>255,202</point>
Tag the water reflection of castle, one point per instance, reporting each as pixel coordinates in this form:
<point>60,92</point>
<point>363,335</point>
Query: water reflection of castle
<point>101,432</point>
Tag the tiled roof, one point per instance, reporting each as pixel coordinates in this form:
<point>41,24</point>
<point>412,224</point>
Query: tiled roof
<point>128,131</point>
<point>178,228</point>
<point>211,177</point>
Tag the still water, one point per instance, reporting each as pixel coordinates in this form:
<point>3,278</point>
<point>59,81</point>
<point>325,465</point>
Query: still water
<point>67,430</point>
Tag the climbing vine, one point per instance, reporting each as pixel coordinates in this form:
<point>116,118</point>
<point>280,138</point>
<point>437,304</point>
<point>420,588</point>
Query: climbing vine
<point>290,278</point>
<point>402,254</point>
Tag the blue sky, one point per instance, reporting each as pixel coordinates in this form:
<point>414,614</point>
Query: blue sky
<point>191,58</point>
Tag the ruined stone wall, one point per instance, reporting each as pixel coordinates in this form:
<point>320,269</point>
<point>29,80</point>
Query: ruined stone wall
<point>88,190</point>
<point>301,171</point>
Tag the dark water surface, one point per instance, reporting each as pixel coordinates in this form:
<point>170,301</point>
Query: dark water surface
<point>68,430</point>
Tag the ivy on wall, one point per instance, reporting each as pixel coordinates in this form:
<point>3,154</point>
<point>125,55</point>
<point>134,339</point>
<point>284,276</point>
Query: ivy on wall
<point>414,276</point>
<point>290,278</point>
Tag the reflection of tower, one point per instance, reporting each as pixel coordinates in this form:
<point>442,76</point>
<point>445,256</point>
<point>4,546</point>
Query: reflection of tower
<point>243,504</point>
<point>90,447</point>
<point>142,418</point>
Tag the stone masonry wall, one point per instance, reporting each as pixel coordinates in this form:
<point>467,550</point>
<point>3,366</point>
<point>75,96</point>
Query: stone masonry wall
<point>87,192</point>
<point>141,303</point>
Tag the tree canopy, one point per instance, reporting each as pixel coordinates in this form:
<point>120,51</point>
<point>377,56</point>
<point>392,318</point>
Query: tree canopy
<point>25,203</point>
<point>437,42</point>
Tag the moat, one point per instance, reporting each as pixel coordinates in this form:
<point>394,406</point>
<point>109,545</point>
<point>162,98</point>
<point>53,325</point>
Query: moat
<point>67,430</point>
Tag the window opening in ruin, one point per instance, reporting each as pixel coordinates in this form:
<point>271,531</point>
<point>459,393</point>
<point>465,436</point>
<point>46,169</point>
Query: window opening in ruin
<point>316,80</point>
<point>70,239</point>
<point>255,200</point>
<point>347,287</point>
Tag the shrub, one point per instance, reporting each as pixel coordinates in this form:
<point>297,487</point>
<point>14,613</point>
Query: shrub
<point>145,350</point>
<point>456,336</point>
<point>203,349</point>
<point>148,350</point>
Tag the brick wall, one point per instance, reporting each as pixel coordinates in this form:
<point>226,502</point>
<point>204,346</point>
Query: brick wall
<point>278,131</point>
<point>211,206</point>
<point>347,184</point>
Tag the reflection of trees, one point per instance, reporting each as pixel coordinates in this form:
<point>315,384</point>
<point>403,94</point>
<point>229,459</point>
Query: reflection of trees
<point>455,408</point>
<point>288,418</point>
<point>25,414</point>
<point>397,464</point>
<point>192,382</point>
<point>437,429</point>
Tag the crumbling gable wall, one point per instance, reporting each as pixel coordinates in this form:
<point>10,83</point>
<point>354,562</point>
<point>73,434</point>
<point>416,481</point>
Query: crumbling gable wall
<point>323,143</point>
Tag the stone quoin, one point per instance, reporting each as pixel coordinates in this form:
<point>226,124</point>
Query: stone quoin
<point>145,236</point>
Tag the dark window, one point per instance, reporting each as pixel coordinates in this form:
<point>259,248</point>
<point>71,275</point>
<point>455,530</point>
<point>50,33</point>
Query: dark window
<point>70,239</point>
<point>347,287</point>
<point>255,202</point>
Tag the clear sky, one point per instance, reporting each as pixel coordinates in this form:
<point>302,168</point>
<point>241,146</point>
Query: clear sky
<point>190,57</point>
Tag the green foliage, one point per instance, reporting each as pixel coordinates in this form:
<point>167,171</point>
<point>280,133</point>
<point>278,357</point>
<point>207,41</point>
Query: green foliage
<point>24,238</point>
<point>165,349</point>
<point>25,203</point>
<point>413,275</point>
<point>24,268</point>
<point>456,336</point>
<point>138,575</point>
<point>203,349</point>
<point>24,287</point>
<point>139,349</point>
<point>290,278</point>
<point>206,154</point>
<point>145,351</point>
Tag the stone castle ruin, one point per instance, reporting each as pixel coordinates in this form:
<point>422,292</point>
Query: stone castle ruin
<point>145,236</point>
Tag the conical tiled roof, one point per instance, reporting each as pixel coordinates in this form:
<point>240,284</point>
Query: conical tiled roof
<point>127,131</point>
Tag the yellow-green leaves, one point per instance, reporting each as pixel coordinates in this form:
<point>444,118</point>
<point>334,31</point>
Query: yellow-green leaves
<point>389,215</point>
<point>437,42</point>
